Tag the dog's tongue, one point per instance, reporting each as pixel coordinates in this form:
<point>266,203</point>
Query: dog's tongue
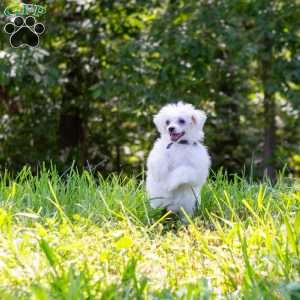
<point>175,136</point>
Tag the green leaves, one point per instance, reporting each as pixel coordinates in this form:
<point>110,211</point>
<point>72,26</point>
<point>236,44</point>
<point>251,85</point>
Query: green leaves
<point>111,65</point>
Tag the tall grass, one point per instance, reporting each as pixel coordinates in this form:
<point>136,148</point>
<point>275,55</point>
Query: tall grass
<point>79,236</point>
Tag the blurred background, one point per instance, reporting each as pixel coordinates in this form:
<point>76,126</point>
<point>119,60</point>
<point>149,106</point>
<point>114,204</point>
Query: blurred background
<point>87,94</point>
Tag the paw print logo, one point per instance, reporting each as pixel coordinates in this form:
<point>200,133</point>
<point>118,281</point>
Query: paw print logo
<point>24,32</point>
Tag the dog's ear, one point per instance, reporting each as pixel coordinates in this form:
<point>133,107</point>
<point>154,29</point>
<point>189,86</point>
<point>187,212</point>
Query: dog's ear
<point>158,120</point>
<point>199,118</point>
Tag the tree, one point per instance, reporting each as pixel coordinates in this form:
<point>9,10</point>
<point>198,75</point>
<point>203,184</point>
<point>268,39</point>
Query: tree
<point>105,67</point>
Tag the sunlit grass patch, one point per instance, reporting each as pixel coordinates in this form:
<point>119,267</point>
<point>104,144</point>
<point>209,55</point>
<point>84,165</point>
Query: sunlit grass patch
<point>78,236</point>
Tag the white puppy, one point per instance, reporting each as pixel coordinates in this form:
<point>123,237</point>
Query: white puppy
<point>178,164</point>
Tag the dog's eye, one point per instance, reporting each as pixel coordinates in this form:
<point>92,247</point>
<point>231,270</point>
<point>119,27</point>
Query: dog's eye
<point>167,122</point>
<point>181,121</point>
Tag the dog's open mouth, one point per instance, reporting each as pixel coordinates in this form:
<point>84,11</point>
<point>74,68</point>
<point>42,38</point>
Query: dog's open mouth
<point>176,136</point>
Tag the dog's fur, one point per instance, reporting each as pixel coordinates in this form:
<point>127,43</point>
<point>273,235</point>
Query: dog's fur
<point>178,164</point>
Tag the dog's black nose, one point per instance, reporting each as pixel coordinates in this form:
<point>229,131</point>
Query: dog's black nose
<point>171,129</point>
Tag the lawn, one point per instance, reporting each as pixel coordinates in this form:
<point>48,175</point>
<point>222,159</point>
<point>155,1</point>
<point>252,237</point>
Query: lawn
<point>78,236</point>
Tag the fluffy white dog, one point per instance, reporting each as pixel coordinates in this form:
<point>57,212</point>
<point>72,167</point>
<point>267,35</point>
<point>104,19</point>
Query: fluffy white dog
<point>178,164</point>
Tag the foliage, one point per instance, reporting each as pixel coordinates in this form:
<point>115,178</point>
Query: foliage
<point>104,67</point>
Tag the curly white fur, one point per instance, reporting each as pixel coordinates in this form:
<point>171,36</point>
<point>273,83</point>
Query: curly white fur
<point>178,164</point>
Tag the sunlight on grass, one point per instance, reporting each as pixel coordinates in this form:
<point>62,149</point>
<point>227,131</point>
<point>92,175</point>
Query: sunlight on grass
<point>83,237</point>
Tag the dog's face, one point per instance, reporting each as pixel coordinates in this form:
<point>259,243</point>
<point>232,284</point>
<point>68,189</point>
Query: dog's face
<point>180,121</point>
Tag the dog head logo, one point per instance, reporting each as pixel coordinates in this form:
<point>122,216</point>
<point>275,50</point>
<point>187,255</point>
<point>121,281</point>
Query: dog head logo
<point>24,30</point>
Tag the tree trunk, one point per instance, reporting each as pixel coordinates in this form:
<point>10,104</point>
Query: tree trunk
<point>118,158</point>
<point>71,132</point>
<point>269,112</point>
<point>269,136</point>
<point>72,123</point>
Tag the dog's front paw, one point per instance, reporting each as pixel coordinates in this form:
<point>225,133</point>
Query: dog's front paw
<point>170,189</point>
<point>182,176</point>
<point>173,185</point>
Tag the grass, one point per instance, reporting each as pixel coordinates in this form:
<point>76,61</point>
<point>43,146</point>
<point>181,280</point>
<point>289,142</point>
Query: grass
<point>82,237</point>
